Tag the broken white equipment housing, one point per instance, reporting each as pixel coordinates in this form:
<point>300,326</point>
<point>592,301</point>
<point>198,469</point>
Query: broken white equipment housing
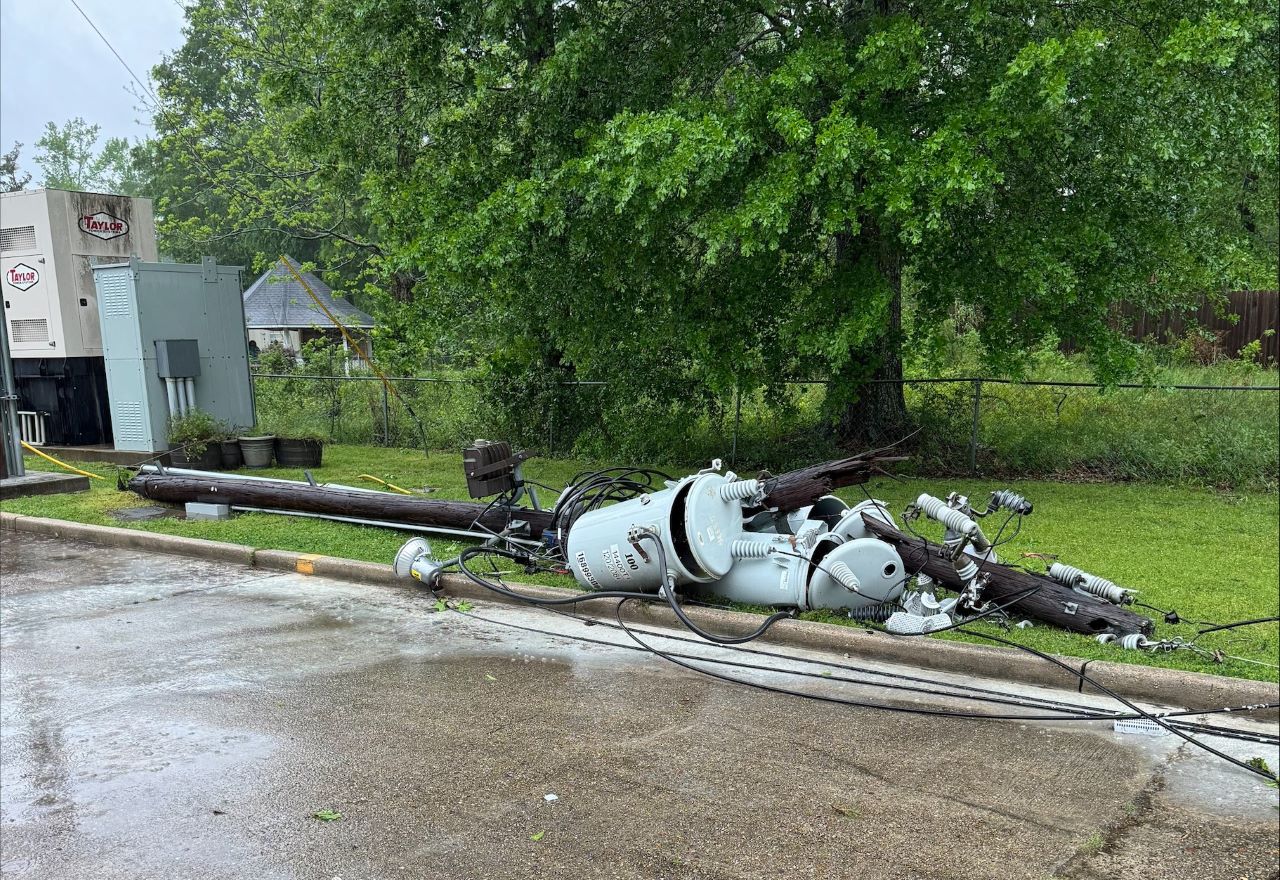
<point>698,519</point>
<point>820,556</point>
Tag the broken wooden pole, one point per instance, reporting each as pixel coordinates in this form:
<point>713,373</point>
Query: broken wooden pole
<point>356,503</point>
<point>800,488</point>
<point>1050,601</point>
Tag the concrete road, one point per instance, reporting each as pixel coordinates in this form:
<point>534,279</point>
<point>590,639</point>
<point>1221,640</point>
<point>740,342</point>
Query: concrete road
<point>167,718</point>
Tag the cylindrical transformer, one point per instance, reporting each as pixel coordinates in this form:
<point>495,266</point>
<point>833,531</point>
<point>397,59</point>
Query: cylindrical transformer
<point>834,574</point>
<point>851,524</point>
<point>697,520</point>
<point>876,567</point>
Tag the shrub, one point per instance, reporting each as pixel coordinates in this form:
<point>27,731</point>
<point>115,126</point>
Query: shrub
<point>195,431</point>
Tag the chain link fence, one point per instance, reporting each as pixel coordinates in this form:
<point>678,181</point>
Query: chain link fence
<point>1225,435</point>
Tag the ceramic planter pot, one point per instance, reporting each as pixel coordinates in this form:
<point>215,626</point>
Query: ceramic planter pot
<point>298,453</point>
<point>258,451</point>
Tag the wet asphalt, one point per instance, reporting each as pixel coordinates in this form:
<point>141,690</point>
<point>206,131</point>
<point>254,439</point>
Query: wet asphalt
<point>169,718</point>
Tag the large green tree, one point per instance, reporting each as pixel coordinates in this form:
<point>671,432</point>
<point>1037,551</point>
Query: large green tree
<point>692,196</point>
<point>70,158</point>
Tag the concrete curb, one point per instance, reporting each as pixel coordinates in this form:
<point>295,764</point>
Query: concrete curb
<point>1148,683</point>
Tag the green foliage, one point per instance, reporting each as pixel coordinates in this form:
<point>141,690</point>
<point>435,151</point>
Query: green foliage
<point>10,180</point>
<point>696,197</point>
<point>195,431</point>
<point>71,159</point>
<point>275,359</point>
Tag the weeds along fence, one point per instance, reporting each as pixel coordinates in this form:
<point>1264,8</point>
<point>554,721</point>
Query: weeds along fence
<point>1219,435</point>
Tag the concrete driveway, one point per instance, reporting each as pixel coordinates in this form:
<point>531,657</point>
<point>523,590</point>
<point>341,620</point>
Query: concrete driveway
<point>169,718</point>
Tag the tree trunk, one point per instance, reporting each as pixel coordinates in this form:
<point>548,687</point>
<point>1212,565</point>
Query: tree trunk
<point>877,415</point>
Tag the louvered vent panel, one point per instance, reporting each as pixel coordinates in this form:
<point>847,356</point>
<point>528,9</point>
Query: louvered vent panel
<point>114,299</point>
<point>18,238</point>
<point>29,330</point>
<point>128,421</point>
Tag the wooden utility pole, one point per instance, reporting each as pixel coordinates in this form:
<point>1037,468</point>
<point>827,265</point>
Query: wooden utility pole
<point>1048,601</point>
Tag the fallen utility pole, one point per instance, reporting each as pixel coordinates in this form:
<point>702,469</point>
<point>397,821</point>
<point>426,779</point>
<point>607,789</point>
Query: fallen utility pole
<point>800,488</point>
<point>1051,602</point>
<point>303,498</point>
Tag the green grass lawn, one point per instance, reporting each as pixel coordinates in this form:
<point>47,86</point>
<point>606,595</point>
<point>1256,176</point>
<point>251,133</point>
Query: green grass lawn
<point>1209,556</point>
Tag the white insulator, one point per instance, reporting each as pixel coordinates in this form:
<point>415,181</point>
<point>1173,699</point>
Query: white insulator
<point>937,509</point>
<point>912,603</point>
<point>744,549</point>
<point>844,576</point>
<point>1134,640</point>
<point>1067,575</point>
<point>1090,583</point>
<point>739,490</point>
<point>924,582</point>
<point>966,568</point>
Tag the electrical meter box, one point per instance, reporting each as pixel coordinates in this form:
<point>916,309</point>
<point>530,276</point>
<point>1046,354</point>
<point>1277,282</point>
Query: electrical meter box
<point>164,323</point>
<point>177,358</point>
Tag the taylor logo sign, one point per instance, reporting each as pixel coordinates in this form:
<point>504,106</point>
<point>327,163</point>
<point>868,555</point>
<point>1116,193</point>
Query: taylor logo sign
<point>21,276</point>
<point>103,225</point>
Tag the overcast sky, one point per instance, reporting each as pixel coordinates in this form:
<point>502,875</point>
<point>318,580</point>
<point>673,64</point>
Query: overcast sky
<point>54,67</point>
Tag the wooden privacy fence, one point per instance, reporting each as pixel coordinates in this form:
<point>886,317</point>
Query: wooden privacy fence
<point>1256,311</point>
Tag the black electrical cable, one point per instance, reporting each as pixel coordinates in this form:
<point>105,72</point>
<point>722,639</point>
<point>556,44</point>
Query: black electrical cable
<point>1085,679</point>
<point>669,592</point>
<point>1225,626</point>
<point>534,600</point>
<point>910,710</point>
<point>624,596</point>
<point>1072,712</point>
<point>646,597</point>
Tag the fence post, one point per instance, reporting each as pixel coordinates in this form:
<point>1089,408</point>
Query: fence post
<point>386,417</point>
<point>973,433</point>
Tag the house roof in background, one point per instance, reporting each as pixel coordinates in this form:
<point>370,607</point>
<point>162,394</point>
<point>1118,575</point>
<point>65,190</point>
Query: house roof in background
<point>277,301</point>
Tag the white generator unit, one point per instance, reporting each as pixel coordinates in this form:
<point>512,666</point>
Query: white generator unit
<point>50,240</point>
<point>173,339</point>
